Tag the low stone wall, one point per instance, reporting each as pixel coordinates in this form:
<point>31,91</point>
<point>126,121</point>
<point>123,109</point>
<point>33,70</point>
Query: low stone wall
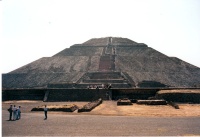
<point>64,108</point>
<point>152,102</point>
<point>182,95</point>
<point>133,93</point>
<point>124,102</point>
<point>90,106</point>
<point>65,94</point>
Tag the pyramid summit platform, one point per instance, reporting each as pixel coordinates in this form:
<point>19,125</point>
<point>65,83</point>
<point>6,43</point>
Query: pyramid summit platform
<point>121,62</point>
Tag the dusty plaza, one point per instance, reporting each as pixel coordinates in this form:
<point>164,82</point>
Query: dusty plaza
<point>107,119</point>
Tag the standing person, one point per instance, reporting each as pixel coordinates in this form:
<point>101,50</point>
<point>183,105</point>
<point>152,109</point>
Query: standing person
<point>14,113</point>
<point>45,112</point>
<point>10,111</point>
<point>19,112</point>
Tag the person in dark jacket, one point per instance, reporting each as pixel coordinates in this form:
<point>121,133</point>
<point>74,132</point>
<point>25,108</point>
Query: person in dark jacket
<point>10,112</point>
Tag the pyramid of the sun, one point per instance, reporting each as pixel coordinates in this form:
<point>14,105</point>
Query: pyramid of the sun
<point>111,60</point>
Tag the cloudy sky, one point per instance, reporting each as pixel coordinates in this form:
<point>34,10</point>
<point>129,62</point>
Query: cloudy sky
<point>31,29</point>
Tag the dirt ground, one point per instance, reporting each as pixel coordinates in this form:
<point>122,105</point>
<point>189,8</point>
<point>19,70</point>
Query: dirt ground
<point>111,108</point>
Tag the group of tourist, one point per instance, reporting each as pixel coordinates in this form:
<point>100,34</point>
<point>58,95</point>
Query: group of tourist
<point>15,113</point>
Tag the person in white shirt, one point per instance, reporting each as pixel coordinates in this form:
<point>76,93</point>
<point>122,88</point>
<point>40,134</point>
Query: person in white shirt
<point>14,113</point>
<point>45,112</point>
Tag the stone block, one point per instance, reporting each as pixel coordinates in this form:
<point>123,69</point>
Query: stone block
<point>90,106</point>
<point>124,102</point>
<point>64,108</point>
<point>152,102</point>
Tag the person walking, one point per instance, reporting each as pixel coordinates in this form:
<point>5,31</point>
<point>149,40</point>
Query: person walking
<point>10,112</point>
<point>45,112</point>
<point>18,112</point>
<point>14,113</point>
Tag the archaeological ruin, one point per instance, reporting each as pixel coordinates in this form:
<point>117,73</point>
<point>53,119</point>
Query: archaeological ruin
<point>107,68</point>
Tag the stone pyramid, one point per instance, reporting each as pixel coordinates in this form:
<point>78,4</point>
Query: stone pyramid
<point>120,62</point>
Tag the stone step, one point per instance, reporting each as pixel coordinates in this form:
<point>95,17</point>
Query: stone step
<point>85,85</point>
<point>104,75</point>
<point>105,63</point>
<point>103,81</point>
<point>113,85</point>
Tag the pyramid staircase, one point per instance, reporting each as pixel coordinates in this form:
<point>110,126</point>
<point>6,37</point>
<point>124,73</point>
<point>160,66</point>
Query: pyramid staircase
<point>105,63</point>
<point>116,79</point>
<point>106,73</point>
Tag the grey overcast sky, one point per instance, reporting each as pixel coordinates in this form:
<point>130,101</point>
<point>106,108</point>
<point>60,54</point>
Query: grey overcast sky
<point>31,29</point>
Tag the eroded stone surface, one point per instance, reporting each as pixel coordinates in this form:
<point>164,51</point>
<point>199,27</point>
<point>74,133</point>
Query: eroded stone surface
<point>144,66</point>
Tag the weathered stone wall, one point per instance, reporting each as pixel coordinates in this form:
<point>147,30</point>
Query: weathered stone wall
<point>57,64</point>
<point>133,93</point>
<point>181,95</point>
<point>140,62</point>
<point>81,51</point>
<point>186,95</point>
<point>144,63</point>
<point>31,80</point>
<point>4,96</point>
<point>76,94</point>
<point>23,94</point>
<point>104,75</point>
